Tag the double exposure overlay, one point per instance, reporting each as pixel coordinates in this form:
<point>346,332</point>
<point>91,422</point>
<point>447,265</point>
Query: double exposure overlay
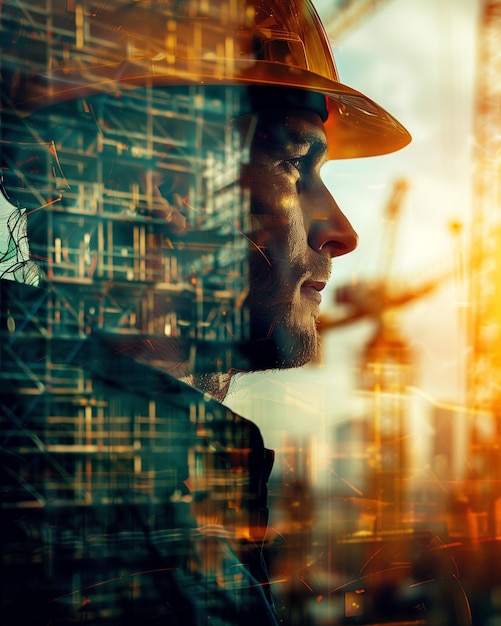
<point>167,233</point>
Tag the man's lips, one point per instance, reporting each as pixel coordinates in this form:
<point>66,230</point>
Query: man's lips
<point>318,285</point>
<point>312,289</point>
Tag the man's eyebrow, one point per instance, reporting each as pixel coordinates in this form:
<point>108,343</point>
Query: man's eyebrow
<point>277,141</point>
<point>309,138</point>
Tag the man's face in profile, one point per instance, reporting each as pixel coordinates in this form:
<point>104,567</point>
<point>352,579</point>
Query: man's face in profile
<point>296,229</point>
<point>181,191</point>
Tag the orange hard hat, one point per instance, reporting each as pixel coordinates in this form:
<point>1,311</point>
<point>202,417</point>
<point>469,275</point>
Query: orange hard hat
<point>84,47</point>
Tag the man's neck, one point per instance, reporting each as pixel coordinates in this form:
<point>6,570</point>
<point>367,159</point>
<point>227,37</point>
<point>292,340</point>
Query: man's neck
<point>217,385</point>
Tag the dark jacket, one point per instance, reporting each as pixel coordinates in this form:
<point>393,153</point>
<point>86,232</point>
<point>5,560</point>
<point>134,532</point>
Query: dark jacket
<point>128,497</point>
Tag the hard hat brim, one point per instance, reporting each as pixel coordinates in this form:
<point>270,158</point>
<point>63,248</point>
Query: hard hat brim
<point>356,126</point>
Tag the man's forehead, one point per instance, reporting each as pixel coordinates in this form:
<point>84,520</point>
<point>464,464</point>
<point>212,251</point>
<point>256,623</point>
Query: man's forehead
<point>301,127</point>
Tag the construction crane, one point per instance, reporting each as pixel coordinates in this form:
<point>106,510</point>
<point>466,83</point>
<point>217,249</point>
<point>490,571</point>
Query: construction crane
<point>384,372</point>
<point>485,318</point>
<point>372,299</point>
<point>483,376</point>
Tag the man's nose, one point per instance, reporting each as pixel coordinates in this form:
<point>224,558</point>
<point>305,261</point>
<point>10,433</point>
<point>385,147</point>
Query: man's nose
<point>330,232</point>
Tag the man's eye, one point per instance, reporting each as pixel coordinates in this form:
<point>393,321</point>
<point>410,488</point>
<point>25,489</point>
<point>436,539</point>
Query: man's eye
<point>296,163</point>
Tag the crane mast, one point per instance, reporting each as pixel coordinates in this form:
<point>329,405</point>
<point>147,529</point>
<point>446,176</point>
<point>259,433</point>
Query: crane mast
<point>484,331</point>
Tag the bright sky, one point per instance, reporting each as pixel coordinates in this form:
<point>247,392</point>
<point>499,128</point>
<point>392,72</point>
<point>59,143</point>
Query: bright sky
<point>416,58</point>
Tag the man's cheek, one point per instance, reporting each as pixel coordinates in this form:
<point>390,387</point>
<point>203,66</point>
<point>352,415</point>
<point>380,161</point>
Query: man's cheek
<point>262,226</point>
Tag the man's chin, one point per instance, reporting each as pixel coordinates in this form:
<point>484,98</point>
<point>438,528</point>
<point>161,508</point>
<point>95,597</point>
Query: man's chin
<point>285,348</point>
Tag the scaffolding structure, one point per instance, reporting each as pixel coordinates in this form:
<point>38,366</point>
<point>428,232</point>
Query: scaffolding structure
<point>97,446</point>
